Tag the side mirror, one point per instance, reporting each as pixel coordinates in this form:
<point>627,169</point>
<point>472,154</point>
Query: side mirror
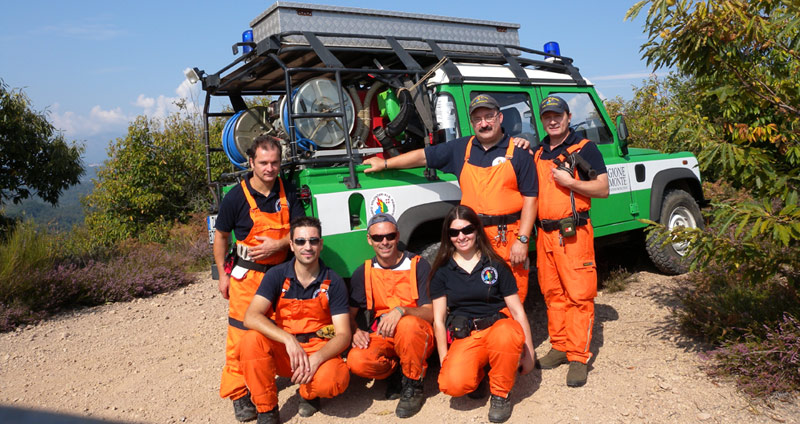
<point>622,134</point>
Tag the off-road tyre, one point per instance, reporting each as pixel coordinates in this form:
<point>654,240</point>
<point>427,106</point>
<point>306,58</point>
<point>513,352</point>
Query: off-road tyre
<point>429,251</point>
<point>678,209</point>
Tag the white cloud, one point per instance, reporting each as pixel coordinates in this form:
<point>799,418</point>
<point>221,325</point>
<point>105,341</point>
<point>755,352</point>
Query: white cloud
<point>161,106</point>
<point>630,76</point>
<point>97,121</point>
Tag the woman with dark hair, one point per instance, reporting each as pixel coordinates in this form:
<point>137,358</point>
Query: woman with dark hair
<point>476,310</point>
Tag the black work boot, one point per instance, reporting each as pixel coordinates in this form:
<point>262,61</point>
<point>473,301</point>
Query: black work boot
<point>411,398</point>
<point>394,385</point>
<point>553,359</point>
<point>499,409</point>
<point>577,374</point>
<point>307,407</point>
<point>243,409</point>
<point>269,417</point>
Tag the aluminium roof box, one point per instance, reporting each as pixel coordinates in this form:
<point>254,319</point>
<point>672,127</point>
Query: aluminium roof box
<point>284,17</point>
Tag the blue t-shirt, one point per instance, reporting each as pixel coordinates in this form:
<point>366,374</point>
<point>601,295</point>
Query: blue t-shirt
<point>476,294</point>
<point>449,157</point>
<point>589,152</point>
<point>272,283</point>
<point>234,212</point>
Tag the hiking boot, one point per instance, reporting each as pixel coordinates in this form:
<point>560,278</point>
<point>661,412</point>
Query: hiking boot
<point>243,409</point>
<point>307,407</point>
<point>411,398</point>
<point>499,409</point>
<point>269,417</point>
<point>576,376</point>
<point>394,385</point>
<point>481,391</point>
<point>553,359</point>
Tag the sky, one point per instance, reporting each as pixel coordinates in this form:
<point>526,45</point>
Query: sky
<point>94,66</point>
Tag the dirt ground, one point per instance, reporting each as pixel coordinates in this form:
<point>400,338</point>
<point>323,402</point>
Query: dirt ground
<point>158,360</point>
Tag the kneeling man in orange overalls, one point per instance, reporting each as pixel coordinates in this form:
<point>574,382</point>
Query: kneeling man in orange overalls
<point>392,317</point>
<point>289,320</point>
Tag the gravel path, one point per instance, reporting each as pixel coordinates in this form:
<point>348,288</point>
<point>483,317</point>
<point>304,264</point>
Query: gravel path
<point>158,360</point>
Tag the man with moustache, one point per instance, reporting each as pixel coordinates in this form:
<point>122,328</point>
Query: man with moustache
<point>497,179</point>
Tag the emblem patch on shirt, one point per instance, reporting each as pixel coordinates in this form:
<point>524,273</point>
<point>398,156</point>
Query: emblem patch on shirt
<point>382,203</point>
<point>489,275</point>
<point>498,160</point>
<point>317,292</point>
<point>278,205</point>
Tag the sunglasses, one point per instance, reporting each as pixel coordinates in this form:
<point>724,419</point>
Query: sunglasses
<point>314,241</point>
<point>377,238</point>
<point>453,232</point>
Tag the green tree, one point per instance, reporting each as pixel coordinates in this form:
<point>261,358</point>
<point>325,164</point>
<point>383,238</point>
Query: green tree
<point>156,175</point>
<point>34,157</point>
<point>741,60</point>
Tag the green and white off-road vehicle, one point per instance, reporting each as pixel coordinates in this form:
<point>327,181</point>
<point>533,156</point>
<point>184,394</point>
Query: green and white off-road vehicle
<point>337,76</point>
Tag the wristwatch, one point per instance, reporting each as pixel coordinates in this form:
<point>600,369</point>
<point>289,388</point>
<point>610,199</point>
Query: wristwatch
<point>523,239</point>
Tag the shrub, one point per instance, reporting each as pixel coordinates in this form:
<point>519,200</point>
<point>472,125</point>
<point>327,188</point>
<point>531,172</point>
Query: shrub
<point>762,366</point>
<point>617,280</point>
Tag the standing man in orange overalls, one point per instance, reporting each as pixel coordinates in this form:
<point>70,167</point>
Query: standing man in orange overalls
<point>290,319</point>
<point>497,180</point>
<point>392,317</point>
<point>565,242</point>
<point>258,212</point>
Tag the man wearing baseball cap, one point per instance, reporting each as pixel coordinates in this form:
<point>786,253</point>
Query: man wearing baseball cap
<point>497,179</point>
<point>565,240</point>
<point>392,316</point>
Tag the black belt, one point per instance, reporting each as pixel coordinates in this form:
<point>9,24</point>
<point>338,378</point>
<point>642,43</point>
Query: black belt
<point>486,322</point>
<point>553,224</point>
<point>493,220</point>
<point>255,266</point>
<point>306,337</point>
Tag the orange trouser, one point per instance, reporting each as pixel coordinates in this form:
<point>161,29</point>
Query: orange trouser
<point>412,344</point>
<point>499,345</point>
<point>568,279</point>
<point>262,359</point>
<point>240,294</point>
<point>504,250</point>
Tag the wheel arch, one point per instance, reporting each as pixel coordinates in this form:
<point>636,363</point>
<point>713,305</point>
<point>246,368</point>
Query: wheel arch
<point>673,179</point>
<point>418,217</point>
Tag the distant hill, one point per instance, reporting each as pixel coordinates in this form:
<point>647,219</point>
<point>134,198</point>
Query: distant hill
<point>69,210</point>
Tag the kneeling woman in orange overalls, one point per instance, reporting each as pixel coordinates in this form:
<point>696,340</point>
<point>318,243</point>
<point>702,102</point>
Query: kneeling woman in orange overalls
<point>477,312</point>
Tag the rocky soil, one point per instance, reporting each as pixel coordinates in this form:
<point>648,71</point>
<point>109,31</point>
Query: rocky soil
<point>158,360</point>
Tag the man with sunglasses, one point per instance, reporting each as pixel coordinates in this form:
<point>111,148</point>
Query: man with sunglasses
<point>392,317</point>
<point>289,320</point>
<point>497,179</point>
<point>258,212</point>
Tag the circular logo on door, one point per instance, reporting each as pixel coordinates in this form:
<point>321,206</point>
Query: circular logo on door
<point>382,203</point>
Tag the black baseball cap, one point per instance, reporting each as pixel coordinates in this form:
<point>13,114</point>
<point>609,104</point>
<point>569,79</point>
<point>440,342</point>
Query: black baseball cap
<point>553,104</point>
<point>381,217</point>
<point>483,100</point>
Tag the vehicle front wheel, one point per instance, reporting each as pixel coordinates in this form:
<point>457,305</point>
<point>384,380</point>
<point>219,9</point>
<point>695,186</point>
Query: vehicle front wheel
<point>679,209</point>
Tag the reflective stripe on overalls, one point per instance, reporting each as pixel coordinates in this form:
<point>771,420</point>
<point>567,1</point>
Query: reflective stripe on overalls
<point>566,267</point>
<point>412,343</point>
<point>274,225</point>
<point>494,191</point>
<point>263,358</point>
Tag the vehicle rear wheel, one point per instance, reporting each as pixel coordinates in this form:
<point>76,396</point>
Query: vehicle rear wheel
<point>679,209</point>
<point>428,251</point>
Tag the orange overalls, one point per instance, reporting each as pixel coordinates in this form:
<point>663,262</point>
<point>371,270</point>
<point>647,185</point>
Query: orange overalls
<point>413,337</point>
<point>494,191</point>
<point>273,225</point>
<point>567,272</point>
<point>262,358</point>
<point>500,346</point>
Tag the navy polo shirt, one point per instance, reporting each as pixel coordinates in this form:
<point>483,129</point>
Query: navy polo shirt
<point>449,157</point>
<point>272,283</point>
<point>589,152</point>
<point>358,297</point>
<point>234,212</point>
<point>477,294</point>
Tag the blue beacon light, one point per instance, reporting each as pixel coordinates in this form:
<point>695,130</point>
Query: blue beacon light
<point>552,48</point>
<point>247,37</point>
